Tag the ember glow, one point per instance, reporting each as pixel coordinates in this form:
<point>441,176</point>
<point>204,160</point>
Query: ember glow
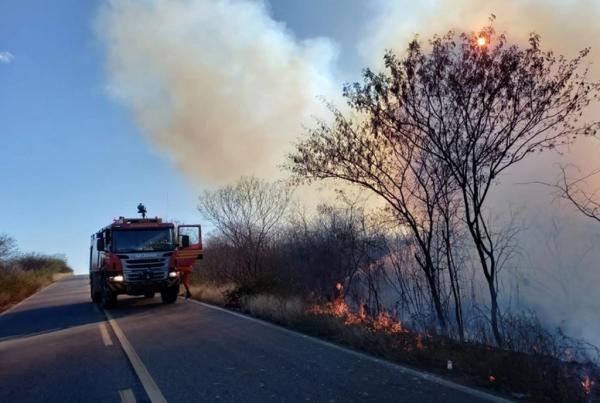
<point>339,308</point>
<point>563,275</point>
<point>587,385</point>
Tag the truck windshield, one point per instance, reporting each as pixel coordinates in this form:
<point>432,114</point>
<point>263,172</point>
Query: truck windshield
<point>142,240</point>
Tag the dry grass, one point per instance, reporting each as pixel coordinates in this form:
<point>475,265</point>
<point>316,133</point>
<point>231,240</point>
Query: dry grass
<point>211,293</point>
<point>275,308</point>
<point>25,274</point>
<point>535,377</point>
<point>16,285</point>
<point>60,276</point>
<point>284,310</point>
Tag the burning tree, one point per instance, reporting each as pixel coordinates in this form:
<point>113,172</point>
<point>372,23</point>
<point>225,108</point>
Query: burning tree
<point>442,123</point>
<point>414,184</point>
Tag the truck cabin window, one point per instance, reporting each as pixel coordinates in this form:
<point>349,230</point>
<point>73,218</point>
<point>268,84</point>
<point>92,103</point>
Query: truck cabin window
<point>142,240</point>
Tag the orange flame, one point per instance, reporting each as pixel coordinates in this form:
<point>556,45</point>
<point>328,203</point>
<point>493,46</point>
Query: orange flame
<point>340,309</point>
<point>384,321</point>
<point>420,345</point>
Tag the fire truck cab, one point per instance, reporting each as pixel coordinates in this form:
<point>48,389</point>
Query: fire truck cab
<point>141,256</point>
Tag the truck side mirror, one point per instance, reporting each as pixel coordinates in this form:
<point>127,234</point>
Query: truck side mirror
<point>185,241</point>
<point>100,244</point>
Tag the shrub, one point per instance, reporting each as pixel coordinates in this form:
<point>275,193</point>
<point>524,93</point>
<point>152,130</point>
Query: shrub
<point>25,274</point>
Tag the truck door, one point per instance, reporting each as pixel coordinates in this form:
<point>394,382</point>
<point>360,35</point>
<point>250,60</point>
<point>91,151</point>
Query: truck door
<point>189,240</point>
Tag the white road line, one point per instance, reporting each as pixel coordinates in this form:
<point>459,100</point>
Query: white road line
<point>127,396</point>
<point>409,371</point>
<point>105,336</point>
<point>142,373</point>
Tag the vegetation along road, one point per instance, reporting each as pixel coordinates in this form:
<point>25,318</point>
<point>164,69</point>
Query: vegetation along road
<point>58,346</point>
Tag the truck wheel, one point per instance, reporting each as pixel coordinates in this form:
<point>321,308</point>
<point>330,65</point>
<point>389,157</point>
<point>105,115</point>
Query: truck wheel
<point>149,294</point>
<point>96,296</point>
<point>169,295</point>
<point>107,298</point>
<point>94,293</point>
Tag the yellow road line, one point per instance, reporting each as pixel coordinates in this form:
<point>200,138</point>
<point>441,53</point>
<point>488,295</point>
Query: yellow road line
<point>105,336</point>
<point>127,396</point>
<point>140,369</point>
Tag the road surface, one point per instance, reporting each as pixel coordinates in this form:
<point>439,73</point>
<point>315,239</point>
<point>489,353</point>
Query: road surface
<point>58,347</point>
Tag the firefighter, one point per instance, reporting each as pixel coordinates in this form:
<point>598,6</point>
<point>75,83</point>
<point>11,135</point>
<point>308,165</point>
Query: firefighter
<point>186,272</point>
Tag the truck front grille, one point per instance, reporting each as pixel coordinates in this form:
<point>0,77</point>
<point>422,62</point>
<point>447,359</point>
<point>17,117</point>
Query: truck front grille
<point>145,269</point>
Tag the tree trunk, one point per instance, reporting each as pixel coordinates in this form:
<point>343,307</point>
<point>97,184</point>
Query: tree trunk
<point>454,284</point>
<point>437,303</point>
<point>457,300</point>
<point>495,313</point>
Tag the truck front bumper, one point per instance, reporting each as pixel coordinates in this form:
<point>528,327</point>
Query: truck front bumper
<point>143,286</point>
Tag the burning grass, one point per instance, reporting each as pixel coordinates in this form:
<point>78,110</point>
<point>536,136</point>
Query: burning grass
<point>383,322</point>
<point>532,376</point>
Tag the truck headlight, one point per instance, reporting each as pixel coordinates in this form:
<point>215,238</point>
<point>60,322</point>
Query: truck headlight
<point>117,279</point>
<point>172,274</point>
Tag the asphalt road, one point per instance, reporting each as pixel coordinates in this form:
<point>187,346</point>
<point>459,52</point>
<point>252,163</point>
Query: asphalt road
<point>58,347</point>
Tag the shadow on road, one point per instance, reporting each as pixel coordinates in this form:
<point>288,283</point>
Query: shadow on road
<point>44,319</point>
<point>128,306</point>
<point>67,305</point>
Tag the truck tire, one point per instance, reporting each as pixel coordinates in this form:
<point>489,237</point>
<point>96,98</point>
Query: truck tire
<point>169,295</point>
<point>95,294</point>
<point>149,294</point>
<point>108,299</point>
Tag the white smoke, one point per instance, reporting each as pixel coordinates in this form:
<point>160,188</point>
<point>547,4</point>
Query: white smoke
<point>558,272</point>
<point>218,84</point>
<point>224,90</point>
<point>565,25</point>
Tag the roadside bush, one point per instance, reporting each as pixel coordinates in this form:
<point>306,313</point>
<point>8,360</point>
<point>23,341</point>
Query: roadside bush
<point>343,257</point>
<point>39,262</point>
<point>23,275</point>
<point>531,376</point>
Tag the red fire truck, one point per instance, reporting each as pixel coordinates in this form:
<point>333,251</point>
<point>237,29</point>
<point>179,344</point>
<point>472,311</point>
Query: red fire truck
<point>141,256</point>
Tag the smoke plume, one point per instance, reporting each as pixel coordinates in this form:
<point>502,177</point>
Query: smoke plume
<point>557,265</point>
<point>225,90</point>
<point>218,84</point>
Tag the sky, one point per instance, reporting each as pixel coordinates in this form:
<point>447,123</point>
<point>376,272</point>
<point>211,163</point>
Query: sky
<point>71,157</point>
<point>105,104</point>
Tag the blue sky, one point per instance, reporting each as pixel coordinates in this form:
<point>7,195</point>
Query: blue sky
<point>71,158</point>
